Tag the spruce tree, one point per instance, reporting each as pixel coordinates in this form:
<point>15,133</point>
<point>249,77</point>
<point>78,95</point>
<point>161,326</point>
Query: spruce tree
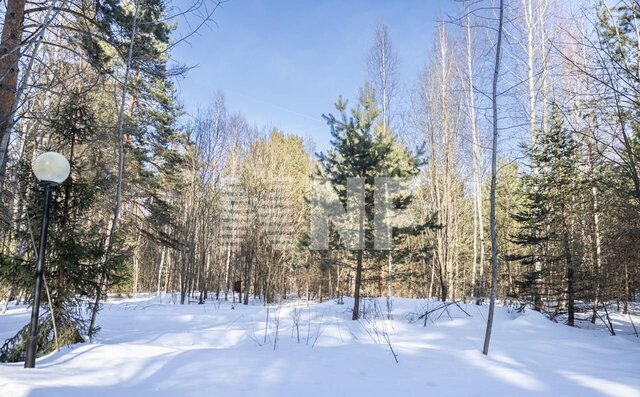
<point>153,146</point>
<point>550,203</point>
<point>75,245</point>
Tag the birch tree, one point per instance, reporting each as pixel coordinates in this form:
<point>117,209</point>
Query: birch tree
<point>439,111</point>
<point>383,69</point>
<point>477,162</point>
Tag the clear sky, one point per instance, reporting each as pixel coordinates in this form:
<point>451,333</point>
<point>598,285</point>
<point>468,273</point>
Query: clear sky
<point>284,63</point>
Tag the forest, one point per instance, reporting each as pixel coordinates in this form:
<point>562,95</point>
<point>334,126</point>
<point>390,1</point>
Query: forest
<point>519,137</point>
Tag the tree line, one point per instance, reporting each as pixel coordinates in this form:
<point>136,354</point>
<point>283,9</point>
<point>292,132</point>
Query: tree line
<point>524,162</point>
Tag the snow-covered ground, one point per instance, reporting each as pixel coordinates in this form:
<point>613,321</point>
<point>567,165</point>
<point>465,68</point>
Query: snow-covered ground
<point>148,348</point>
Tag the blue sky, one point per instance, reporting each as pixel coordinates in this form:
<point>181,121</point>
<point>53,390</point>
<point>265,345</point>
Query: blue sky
<point>284,63</point>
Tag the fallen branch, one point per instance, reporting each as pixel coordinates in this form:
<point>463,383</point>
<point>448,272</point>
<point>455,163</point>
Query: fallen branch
<point>443,307</point>
<point>609,326</point>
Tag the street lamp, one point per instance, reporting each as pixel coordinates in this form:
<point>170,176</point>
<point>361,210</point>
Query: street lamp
<point>51,169</point>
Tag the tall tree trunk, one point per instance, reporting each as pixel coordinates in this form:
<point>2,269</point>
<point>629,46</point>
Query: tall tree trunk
<point>14,16</point>
<point>361,246</point>
<point>478,218</point>
<point>103,282</point>
<point>598,256</point>
<point>627,294</point>
<point>443,288</point>
<point>494,155</point>
<point>383,65</point>
<point>570,294</point>
<point>161,268</point>
<point>356,289</point>
<point>433,276</point>
<point>9,62</point>
<point>247,274</point>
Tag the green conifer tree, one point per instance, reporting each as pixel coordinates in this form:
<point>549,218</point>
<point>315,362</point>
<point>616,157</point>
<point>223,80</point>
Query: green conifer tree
<point>359,151</point>
<point>550,195</point>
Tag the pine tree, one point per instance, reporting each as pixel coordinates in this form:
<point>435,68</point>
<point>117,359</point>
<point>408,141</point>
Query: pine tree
<point>358,151</point>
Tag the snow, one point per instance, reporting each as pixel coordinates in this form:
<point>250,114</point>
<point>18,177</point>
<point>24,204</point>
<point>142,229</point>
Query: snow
<point>160,349</point>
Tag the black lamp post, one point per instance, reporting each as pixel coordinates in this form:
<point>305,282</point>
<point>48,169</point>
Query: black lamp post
<point>51,169</point>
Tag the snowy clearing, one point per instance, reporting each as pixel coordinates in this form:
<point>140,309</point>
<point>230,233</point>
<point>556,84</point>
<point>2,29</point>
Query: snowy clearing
<point>160,349</point>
